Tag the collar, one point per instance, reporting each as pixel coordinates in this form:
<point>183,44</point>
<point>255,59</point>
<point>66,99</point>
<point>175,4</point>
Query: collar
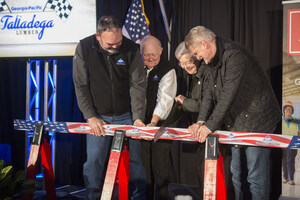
<point>216,60</point>
<point>148,70</point>
<point>289,120</point>
<point>200,70</point>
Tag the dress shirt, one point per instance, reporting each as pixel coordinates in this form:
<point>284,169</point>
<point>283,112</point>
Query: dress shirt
<point>167,89</point>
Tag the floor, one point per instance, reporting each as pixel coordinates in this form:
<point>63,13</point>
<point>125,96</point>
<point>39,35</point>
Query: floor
<point>292,192</point>
<point>66,192</point>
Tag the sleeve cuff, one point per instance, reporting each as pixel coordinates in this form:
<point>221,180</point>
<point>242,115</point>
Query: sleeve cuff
<point>88,115</point>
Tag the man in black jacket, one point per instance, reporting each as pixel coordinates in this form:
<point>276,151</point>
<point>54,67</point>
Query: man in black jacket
<point>110,87</point>
<point>239,98</point>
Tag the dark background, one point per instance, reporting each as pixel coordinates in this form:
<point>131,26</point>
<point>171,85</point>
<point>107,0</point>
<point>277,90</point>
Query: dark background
<point>255,23</point>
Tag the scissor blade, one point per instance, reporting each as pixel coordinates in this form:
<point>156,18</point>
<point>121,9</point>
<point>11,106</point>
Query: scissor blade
<point>159,133</point>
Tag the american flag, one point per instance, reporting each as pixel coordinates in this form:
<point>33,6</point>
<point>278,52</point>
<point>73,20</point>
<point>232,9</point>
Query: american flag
<point>3,6</point>
<point>136,26</point>
<point>62,8</point>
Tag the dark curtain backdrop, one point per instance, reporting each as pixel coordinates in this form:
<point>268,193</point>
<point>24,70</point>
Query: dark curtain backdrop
<point>256,24</point>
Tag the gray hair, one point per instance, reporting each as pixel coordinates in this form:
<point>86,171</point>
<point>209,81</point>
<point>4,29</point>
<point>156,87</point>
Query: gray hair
<point>197,34</point>
<point>181,50</point>
<point>107,23</point>
<point>147,38</point>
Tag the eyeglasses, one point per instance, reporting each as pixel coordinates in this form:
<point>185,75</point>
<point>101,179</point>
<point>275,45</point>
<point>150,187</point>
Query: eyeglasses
<point>186,63</point>
<point>150,54</point>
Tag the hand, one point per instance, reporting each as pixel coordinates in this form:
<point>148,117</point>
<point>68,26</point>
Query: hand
<point>179,99</point>
<point>147,138</point>
<point>152,124</point>
<point>138,122</point>
<point>96,126</point>
<point>204,132</point>
<point>199,131</point>
<point>154,120</point>
<point>193,129</point>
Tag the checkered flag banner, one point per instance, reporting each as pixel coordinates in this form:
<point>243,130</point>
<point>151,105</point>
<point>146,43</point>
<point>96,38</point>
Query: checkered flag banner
<point>62,8</point>
<point>3,6</point>
<point>135,26</point>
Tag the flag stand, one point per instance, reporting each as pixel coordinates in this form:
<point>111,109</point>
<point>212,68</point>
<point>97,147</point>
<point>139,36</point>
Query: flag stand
<point>40,146</point>
<point>118,163</point>
<point>214,178</point>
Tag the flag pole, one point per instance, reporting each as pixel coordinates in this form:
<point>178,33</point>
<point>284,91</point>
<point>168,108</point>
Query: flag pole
<point>143,8</point>
<point>166,23</point>
<point>7,7</point>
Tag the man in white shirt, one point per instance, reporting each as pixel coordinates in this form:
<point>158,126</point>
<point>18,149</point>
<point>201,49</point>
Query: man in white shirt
<point>161,91</point>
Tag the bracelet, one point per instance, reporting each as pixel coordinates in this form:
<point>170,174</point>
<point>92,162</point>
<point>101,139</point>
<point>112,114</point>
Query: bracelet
<point>154,123</point>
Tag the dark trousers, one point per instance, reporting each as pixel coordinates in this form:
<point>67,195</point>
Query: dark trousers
<point>190,165</point>
<point>159,171</point>
<point>288,163</point>
<point>98,150</point>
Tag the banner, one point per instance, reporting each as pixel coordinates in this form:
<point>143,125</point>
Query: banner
<point>44,27</point>
<point>291,56</point>
<point>291,90</point>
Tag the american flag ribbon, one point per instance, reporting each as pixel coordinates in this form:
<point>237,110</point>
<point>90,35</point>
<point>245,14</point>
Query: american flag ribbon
<point>225,137</point>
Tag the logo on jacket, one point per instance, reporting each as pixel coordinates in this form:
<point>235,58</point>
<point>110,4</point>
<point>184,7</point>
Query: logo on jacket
<point>120,62</point>
<point>155,78</point>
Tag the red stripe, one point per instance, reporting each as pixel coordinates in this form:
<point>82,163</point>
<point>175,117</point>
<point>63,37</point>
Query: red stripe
<point>148,131</point>
<point>176,132</point>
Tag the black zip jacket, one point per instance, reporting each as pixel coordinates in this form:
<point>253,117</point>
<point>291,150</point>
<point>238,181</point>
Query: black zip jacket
<point>239,95</point>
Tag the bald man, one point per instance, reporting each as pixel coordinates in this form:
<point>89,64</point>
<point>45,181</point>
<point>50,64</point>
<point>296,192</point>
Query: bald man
<point>161,91</point>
